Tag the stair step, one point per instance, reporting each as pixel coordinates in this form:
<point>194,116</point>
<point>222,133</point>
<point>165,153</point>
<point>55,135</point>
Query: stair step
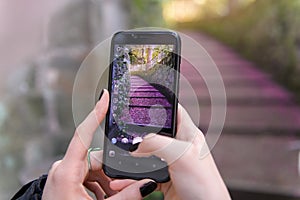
<point>147,94</point>
<point>149,106</point>
<point>252,119</point>
<point>264,163</point>
<point>267,94</point>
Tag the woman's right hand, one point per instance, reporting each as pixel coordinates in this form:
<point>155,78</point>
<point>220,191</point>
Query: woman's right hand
<point>192,169</point>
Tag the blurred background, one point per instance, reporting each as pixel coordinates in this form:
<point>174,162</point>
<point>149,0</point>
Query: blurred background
<point>255,44</point>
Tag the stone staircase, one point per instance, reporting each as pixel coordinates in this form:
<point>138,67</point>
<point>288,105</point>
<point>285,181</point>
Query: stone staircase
<point>257,150</point>
<point>143,97</point>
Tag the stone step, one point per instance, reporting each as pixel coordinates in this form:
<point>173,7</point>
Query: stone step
<point>262,163</point>
<point>229,81</point>
<point>233,67</point>
<point>141,86</point>
<point>231,77</point>
<point>248,94</point>
<point>252,119</point>
<point>149,101</point>
<point>145,94</point>
<point>150,106</point>
<point>143,90</point>
<point>142,116</point>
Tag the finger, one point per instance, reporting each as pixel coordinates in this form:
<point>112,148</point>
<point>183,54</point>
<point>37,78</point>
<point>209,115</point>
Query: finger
<point>172,149</point>
<point>164,147</point>
<point>102,180</point>
<point>186,129</point>
<point>97,175</point>
<point>96,160</point>
<point>96,189</point>
<point>119,185</point>
<point>84,133</point>
<point>136,190</point>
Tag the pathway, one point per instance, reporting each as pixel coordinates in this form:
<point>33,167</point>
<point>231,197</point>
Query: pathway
<point>144,97</point>
<point>256,150</point>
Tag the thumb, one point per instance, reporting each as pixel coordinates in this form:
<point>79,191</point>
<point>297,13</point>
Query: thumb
<point>169,149</point>
<point>136,191</point>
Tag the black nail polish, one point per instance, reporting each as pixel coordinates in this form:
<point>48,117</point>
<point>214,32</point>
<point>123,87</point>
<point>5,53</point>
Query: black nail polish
<point>101,93</point>
<point>147,188</point>
<point>134,147</point>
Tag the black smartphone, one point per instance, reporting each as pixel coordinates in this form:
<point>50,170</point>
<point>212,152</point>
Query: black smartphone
<point>143,87</point>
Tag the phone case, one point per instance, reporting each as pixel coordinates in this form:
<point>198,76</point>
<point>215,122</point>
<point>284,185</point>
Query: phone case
<point>147,43</point>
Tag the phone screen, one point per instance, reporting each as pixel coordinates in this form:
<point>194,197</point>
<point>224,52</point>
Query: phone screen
<point>143,86</point>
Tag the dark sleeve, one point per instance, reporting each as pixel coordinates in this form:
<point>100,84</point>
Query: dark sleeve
<point>32,190</point>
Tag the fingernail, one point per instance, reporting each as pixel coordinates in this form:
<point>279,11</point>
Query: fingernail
<point>147,188</point>
<point>134,147</point>
<point>101,94</point>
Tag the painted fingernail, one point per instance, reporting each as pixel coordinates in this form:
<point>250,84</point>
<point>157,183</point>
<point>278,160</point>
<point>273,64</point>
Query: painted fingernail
<point>147,188</point>
<point>134,147</point>
<point>101,93</point>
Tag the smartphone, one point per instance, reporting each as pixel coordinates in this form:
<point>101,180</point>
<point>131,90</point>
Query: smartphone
<point>143,87</point>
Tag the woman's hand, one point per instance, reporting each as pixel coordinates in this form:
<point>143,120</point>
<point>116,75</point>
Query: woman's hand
<point>69,177</point>
<point>193,172</point>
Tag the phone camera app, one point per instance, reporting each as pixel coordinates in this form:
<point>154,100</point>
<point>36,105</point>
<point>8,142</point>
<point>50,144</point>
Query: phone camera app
<point>143,79</point>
